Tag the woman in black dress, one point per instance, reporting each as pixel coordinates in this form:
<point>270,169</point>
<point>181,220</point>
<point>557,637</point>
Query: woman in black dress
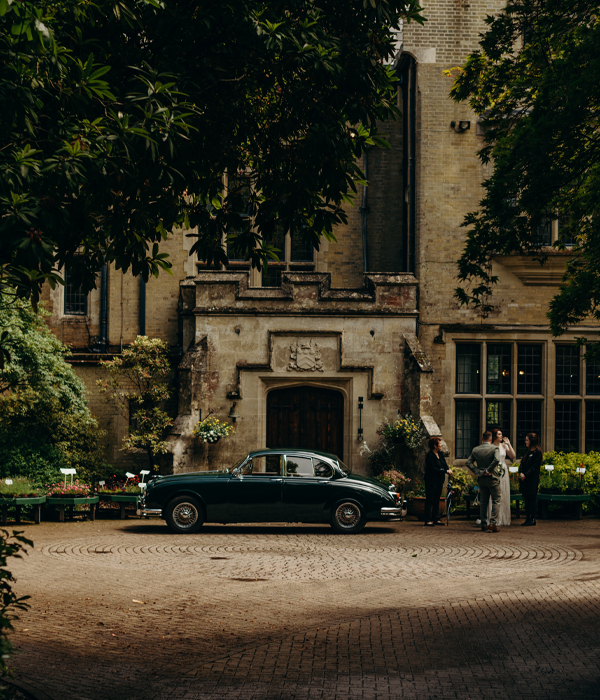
<point>435,475</point>
<point>529,474</point>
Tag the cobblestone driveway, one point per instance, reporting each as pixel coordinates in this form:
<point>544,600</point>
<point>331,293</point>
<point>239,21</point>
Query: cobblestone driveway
<point>125,610</point>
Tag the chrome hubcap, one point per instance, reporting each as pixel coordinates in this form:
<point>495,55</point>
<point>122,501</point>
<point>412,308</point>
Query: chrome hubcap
<point>185,515</point>
<point>347,515</point>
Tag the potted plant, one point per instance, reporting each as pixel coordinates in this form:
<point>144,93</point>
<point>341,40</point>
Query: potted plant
<point>416,501</point>
<point>211,430</point>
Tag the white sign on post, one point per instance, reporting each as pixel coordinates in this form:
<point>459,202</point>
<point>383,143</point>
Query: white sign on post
<point>580,470</point>
<point>143,472</point>
<point>513,470</point>
<point>142,485</point>
<point>549,467</point>
<point>129,475</point>
<point>8,482</point>
<point>70,471</point>
<point>101,483</point>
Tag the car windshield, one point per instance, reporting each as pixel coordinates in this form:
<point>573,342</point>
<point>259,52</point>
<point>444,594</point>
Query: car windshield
<point>237,464</point>
<point>344,468</point>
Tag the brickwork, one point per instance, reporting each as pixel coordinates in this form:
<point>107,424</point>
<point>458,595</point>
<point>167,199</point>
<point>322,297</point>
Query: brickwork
<point>126,610</point>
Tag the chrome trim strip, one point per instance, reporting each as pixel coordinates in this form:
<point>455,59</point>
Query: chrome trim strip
<point>391,511</point>
<point>156,512</point>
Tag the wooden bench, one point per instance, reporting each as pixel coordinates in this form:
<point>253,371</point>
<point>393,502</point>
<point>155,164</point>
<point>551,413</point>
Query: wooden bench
<point>578,499</point>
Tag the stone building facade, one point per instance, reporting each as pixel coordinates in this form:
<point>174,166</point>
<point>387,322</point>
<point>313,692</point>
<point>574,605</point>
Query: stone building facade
<point>323,347</point>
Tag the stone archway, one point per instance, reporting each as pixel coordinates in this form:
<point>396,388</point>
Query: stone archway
<point>306,416</point>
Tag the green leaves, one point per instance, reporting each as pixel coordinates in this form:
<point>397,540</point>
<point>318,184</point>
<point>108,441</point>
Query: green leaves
<point>535,82</point>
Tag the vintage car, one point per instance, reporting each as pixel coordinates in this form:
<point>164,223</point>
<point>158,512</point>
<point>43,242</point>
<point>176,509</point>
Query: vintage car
<point>275,486</point>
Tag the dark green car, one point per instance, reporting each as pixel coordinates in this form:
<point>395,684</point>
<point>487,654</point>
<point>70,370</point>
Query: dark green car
<point>282,485</point>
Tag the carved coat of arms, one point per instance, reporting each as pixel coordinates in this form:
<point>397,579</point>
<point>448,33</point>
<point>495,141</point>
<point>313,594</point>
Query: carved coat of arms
<point>305,355</point>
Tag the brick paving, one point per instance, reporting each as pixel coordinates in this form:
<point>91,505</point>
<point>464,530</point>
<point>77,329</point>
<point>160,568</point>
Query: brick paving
<point>125,610</point>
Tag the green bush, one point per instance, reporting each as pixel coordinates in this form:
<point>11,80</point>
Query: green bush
<point>564,475</point>
<point>45,422</point>
<point>10,546</point>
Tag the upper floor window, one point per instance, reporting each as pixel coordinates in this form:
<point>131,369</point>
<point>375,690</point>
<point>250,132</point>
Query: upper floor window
<point>238,192</point>
<point>75,299</point>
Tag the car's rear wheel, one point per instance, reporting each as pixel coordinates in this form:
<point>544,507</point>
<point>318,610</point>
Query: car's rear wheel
<point>184,514</point>
<point>348,518</point>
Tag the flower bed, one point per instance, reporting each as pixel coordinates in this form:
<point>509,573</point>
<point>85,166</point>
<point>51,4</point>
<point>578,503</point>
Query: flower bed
<point>75,490</point>
<point>21,487</point>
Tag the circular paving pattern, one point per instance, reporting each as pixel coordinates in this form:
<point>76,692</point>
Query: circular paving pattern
<point>309,557</point>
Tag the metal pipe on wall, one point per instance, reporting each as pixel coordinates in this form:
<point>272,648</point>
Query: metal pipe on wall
<point>364,210</point>
<point>142,317</point>
<point>103,308</point>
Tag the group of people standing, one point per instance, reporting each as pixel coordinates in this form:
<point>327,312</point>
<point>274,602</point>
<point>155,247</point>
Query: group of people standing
<point>488,462</point>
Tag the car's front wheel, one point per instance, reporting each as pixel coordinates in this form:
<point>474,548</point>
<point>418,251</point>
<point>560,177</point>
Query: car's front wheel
<point>348,518</point>
<point>184,514</point>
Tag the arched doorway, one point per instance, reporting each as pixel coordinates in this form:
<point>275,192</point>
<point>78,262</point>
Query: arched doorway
<point>306,416</point>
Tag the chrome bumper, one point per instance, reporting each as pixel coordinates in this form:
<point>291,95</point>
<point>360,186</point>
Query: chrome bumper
<point>391,512</point>
<point>149,512</point>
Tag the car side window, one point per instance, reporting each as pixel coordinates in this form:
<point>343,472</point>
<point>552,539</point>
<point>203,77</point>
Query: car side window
<point>269,465</point>
<point>299,466</point>
<point>323,469</point>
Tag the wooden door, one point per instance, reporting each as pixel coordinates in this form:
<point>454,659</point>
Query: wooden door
<point>306,416</point>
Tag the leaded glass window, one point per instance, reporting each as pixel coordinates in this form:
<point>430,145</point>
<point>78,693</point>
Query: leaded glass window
<point>497,415</point>
<point>468,358</point>
<point>567,369</point>
<point>592,377</point>
<point>467,427</point>
<point>75,299</point>
<point>529,420</point>
<point>499,369</point>
<point>566,426</point>
<point>529,369</point>
<point>592,426</point>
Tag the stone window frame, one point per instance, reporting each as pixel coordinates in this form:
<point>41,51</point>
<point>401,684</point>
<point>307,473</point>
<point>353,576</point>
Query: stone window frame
<point>285,264</point>
<point>548,398</point>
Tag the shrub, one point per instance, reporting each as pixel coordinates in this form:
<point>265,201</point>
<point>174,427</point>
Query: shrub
<point>408,430</point>
<point>564,475</point>
<point>393,476</point>
<point>45,422</point>
<point>138,383</point>
<point>10,546</point>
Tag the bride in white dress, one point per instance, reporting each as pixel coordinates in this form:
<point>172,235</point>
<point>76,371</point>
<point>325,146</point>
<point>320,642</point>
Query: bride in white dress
<point>506,450</point>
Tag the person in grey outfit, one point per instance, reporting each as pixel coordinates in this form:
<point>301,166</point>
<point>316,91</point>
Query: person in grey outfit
<point>486,463</point>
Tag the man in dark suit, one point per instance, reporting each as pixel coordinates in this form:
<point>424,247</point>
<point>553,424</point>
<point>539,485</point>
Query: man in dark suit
<point>485,462</point>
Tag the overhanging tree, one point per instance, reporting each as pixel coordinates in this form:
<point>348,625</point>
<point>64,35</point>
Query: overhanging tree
<point>45,422</point>
<point>120,119</point>
<point>536,82</point>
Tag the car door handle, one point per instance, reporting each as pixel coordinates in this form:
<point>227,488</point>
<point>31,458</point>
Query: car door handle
<point>277,480</point>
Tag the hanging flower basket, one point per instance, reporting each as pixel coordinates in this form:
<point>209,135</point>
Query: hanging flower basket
<point>211,430</point>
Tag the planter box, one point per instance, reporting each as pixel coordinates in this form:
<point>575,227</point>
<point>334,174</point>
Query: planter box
<point>577,500</point>
<point>551,490</point>
<point>416,507</point>
<point>123,499</point>
<point>18,501</point>
<point>74,501</point>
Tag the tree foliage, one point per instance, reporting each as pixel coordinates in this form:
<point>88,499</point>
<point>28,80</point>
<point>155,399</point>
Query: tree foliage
<point>138,380</point>
<point>11,545</point>
<point>536,82</point>
<point>45,422</point>
<point>120,119</point>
